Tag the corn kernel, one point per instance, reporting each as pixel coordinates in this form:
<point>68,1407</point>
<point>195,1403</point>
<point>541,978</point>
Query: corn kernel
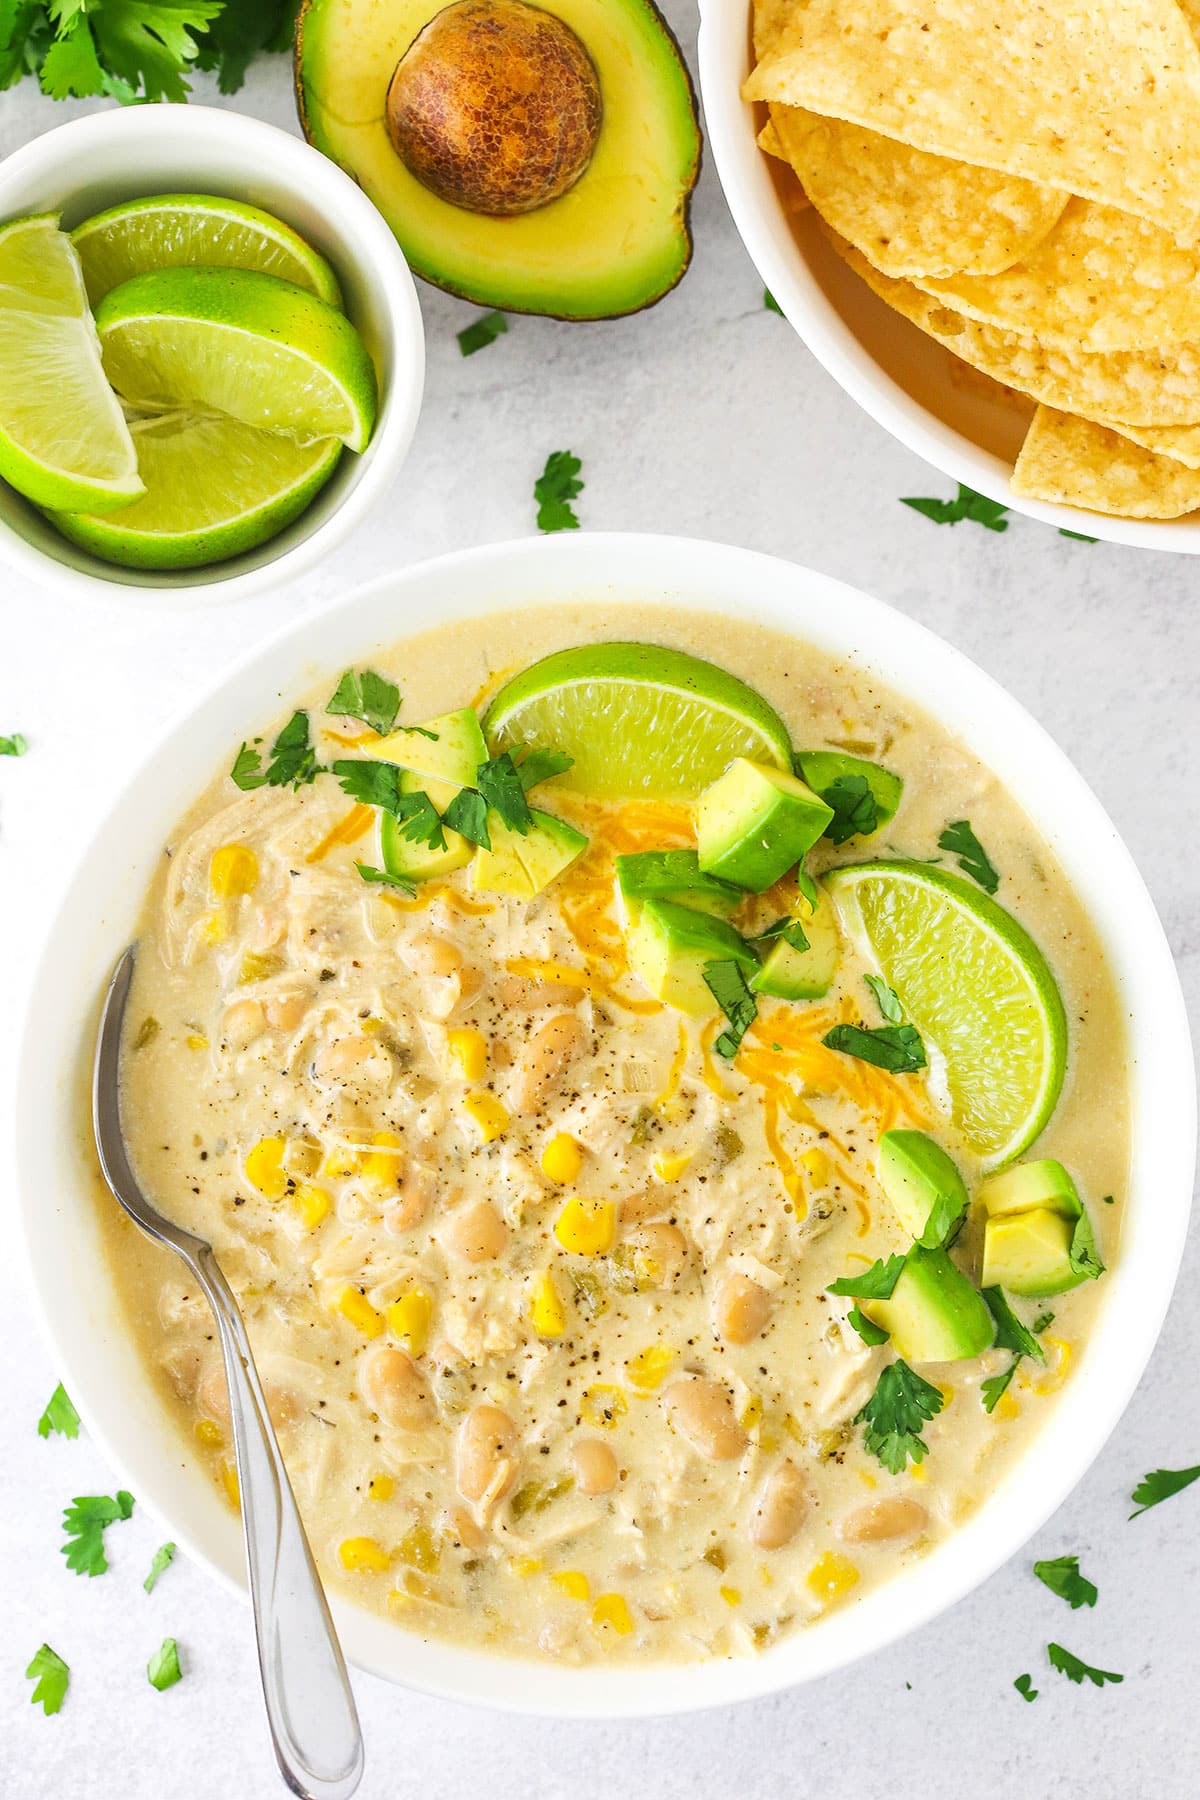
<point>610,1609</point>
<point>382,1164</point>
<point>232,871</point>
<point>358,1309</point>
<point>669,1165</point>
<point>562,1158</point>
<point>831,1577</point>
<point>214,929</point>
<point>751,1413</point>
<point>357,1553</point>
<point>381,1487</point>
<point>341,1162</point>
<point>209,1433</point>
<point>1006,1408</point>
<point>918,1472</point>
<point>232,1486</point>
<point>408,1318</point>
<point>196,1040</point>
<point>547,1313</point>
<point>256,966</point>
<point>264,1168</point>
<point>730,1595</point>
<point>587,1227</point>
<point>648,1369</point>
<point>815,1164</point>
<point>310,1204</point>
<point>469,1050</point>
<point>602,1405</point>
<point>525,1566</point>
<point>417,1548</point>
<point>487,1114</point>
<point>573,1582</point>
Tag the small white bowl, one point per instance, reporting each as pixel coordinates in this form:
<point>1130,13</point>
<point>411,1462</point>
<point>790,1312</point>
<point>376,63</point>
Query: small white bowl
<point>98,161</point>
<point>58,1214</point>
<point>957,419</point>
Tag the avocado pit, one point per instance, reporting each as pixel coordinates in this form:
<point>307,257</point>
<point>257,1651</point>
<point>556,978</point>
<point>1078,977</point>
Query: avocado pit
<point>495,107</point>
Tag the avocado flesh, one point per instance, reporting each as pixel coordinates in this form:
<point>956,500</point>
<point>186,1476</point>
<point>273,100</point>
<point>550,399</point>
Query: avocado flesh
<point>449,748</point>
<point>821,768</point>
<point>1030,1253</point>
<point>920,1180</point>
<point>933,1314</point>
<point>421,862</point>
<point>521,865</point>
<point>672,875</point>
<point>1026,1185</point>
<point>618,240</point>
<point>790,974</point>
<point>755,823</point>
<point>669,946</point>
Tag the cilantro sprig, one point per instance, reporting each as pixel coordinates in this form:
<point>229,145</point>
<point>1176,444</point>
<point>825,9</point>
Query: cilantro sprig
<point>875,1283</point>
<point>1061,1575</point>
<point>60,1415</point>
<point>967,504</point>
<point>84,1522</point>
<point>1160,1485</point>
<point>855,809</point>
<point>790,930</point>
<point>896,1048</point>
<point>369,697</point>
<point>53,1677</point>
<point>901,1404</point>
<point>1075,1669</point>
<point>293,760</point>
<point>973,859</point>
<point>727,984</point>
<point>887,999</point>
<point>555,488</point>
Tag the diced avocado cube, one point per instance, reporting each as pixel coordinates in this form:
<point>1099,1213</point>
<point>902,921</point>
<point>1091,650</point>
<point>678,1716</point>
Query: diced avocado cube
<point>672,875</point>
<point>421,862</point>
<point>452,751</point>
<point>821,768</point>
<point>1030,1253</point>
<point>669,946</point>
<point>924,1186</point>
<point>1026,1185</point>
<point>522,865</point>
<point>933,1313</point>
<point>791,974</point>
<point>755,823</point>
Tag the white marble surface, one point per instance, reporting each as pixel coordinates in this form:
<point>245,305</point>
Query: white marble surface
<point>703,416</point>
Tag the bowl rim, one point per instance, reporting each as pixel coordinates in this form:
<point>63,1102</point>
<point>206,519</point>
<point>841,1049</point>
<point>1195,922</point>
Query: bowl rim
<point>379,264</point>
<point>98,897</point>
<point>753,201</point>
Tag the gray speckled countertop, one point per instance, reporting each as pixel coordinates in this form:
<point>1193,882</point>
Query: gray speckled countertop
<point>705,417</point>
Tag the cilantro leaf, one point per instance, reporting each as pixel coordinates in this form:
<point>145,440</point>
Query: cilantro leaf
<point>539,765</point>
<point>163,1558</point>
<point>14,745</point>
<point>893,1416</point>
<point>1061,1575</point>
<point>246,772</point>
<point>84,1522</point>
<point>59,1416</point>
<point>855,812</point>
<point>1010,1333</point>
<point>897,1048</point>
<point>995,1385</point>
<point>293,759</point>
<point>875,1283</point>
<point>790,930</point>
<point>385,878</point>
<point>500,784</point>
<point>1085,1258</point>
<point>484,331</point>
<point>966,505</point>
<point>888,998</point>
<point>554,488</point>
<point>1160,1485</point>
<point>1075,1669</point>
<point>163,1669</point>
<point>420,820</point>
<point>53,1678</point>
<point>770,303</point>
<point>868,1331</point>
<point>973,859</point>
<point>1043,1322</point>
<point>726,983</point>
<point>1024,1686</point>
<point>71,67</point>
<point>241,29</point>
<point>370,782</point>
<point>369,697</point>
<point>1081,537</point>
<point>467,814</point>
<point>150,44</point>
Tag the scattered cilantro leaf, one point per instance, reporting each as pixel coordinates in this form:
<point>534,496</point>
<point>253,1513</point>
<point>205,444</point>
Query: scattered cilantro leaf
<point>855,812</point>
<point>385,878</point>
<point>164,1556</point>
<point>1075,1669</point>
<point>53,1678</point>
<point>555,488</point>
<point>1024,1686</point>
<point>868,1331</point>
<point>467,814</point>
<point>726,982</point>
<point>1085,1258</point>
<point>482,332</point>
<point>807,888</point>
<point>369,697</point>
<point>59,1416</point>
<point>995,1385</point>
<point>893,1416</point>
<point>370,782</point>
<point>790,930</point>
<point>888,998</point>
<point>539,765</point>
<point>1081,537</point>
<point>163,1669</point>
<point>16,745</point>
<point>1010,1333</point>
<point>500,784</point>
<point>246,772</point>
<point>897,1048</point>
<point>420,822</point>
<point>973,859</point>
<point>84,1522</point>
<point>1043,1322</point>
<point>875,1283</point>
<point>293,760</point>
<point>966,505</point>
<point>1160,1485</point>
<point>1061,1575</point>
<point>943,1223</point>
<point>770,303</point>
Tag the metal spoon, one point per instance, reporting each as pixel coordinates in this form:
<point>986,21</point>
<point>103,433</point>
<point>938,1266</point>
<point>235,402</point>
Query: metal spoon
<point>310,1707</point>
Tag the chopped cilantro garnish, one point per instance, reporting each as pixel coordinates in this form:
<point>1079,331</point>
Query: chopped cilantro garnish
<point>790,930</point>
<point>385,878</point>
<point>1061,1575</point>
<point>467,814</point>
<point>481,332</point>
<point>246,772</point>
<point>770,303</point>
<point>500,784</point>
<point>1159,1485</point>
<point>1075,1669</point>
<point>555,488</point>
<point>995,1385</point>
<point>53,1678</point>
<point>369,697</point>
<point>539,765</point>
<point>84,1522</point>
<point>1043,1322</point>
<point>1010,1333</point>
<point>868,1331</point>
<point>1081,537</point>
<point>420,820</point>
<point>59,1416</point>
<point>893,1416</point>
<point>1024,1686</point>
<point>973,859</point>
<point>727,985</point>
<point>1085,1258</point>
<point>897,1048</point>
<point>855,813</point>
<point>15,745</point>
<point>875,1283</point>
<point>967,505</point>
<point>887,997</point>
<point>374,783</point>
<point>163,1669</point>
<point>163,1558</point>
<point>293,760</point>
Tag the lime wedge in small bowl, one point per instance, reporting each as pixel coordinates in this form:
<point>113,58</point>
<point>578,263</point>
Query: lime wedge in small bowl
<point>640,721</point>
<point>63,437</point>
<point>168,231</point>
<point>977,988</point>
<point>242,343</point>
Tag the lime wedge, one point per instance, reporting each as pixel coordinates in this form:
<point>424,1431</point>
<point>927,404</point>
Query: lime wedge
<point>170,230</point>
<point>63,439</point>
<point>237,342</point>
<point>977,988</point>
<point>214,488</point>
<point>640,721</point>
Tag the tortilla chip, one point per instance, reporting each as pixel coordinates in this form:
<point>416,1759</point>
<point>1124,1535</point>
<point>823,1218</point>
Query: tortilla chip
<point>768,142</point>
<point>911,213</point>
<point>1144,387</point>
<point>1098,101</point>
<point>770,21</point>
<point>1180,442</point>
<point>1075,463</point>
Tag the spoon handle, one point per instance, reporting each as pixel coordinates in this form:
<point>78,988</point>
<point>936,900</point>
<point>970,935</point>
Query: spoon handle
<point>310,1706</point>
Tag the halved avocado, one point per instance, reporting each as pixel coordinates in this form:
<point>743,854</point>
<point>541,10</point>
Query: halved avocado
<point>617,240</point>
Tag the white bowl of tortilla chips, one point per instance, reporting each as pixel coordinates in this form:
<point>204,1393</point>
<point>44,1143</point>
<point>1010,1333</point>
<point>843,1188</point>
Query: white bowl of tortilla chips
<point>983,218</point>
